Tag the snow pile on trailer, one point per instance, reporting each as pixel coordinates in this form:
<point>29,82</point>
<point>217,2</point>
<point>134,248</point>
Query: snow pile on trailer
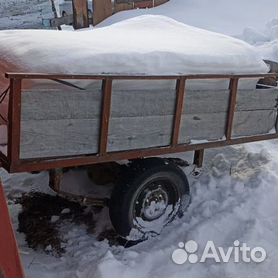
<point>145,44</point>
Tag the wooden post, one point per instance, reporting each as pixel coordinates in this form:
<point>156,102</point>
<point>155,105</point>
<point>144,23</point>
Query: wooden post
<point>80,14</point>
<point>101,10</point>
<point>159,2</point>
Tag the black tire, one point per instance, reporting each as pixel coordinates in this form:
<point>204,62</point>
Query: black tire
<point>150,195</point>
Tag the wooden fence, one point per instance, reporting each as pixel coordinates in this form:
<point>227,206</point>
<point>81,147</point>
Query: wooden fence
<point>121,5</point>
<point>104,8</point>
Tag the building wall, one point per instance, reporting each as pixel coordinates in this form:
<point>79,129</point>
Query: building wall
<point>121,5</point>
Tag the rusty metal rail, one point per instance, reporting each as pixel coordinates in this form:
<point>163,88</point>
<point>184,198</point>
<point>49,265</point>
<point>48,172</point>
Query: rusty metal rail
<point>13,163</point>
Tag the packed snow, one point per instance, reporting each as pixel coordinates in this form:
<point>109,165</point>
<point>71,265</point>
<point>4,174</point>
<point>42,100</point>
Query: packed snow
<point>142,45</point>
<point>233,198</point>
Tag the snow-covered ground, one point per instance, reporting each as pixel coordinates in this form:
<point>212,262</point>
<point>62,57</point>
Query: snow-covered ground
<point>234,198</point>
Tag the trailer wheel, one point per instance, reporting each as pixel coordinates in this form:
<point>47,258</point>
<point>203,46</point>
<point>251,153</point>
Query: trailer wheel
<point>150,195</point>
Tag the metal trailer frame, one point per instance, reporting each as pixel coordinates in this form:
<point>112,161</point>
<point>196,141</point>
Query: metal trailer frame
<point>12,162</point>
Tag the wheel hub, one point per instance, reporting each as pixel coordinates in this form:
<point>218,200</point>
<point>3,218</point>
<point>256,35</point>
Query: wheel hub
<point>154,203</point>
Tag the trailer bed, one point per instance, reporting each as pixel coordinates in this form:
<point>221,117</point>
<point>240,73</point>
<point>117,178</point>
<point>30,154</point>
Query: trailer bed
<point>70,120</point>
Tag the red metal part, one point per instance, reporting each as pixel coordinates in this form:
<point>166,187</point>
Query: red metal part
<point>106,106</point>
<point>14,117</point>
<point>232,105</point>
<point>10,263</point>
<point>13,163</point>
<point>133,77</point>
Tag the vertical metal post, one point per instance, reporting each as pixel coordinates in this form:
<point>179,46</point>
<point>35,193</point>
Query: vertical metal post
<point>14,116</point>
<point>80,14</point>
<point>106,108</point>
<point>10,262</point>
<point>199,158</point>
<point>180,94</point>
<point>232,105</point>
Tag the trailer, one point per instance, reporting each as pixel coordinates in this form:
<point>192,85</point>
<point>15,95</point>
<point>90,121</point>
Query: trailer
<point>66,121</point>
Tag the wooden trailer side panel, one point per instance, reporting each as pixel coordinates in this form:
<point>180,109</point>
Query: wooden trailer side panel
<point>66,121</point>
<point>60,122</point>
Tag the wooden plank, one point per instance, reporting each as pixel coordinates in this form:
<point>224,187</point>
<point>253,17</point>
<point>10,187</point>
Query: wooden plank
<point>71,103</point>
<point>257,99</point>
<point>122,7</point>
<point>159,2</point>
<point>139,132</point>
<point>143,4</point>
<point>80,14</point>
<point>48,138</point>
<point>102,9</point>
<point>143,103</point>
<point>207,126</point>
<point>247,123</point>
<point>212,126</point>
<point>161,102</point>
<point>57,104</point>
<point>139,118</point>
<point>142,132</point>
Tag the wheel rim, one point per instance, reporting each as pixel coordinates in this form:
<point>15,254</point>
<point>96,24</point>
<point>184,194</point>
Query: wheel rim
<point>153,199</point>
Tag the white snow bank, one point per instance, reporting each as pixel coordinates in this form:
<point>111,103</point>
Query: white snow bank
<point>144,45</point>
<point>268,50</point>
<point>266,42</point>
<point>223,16</point>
